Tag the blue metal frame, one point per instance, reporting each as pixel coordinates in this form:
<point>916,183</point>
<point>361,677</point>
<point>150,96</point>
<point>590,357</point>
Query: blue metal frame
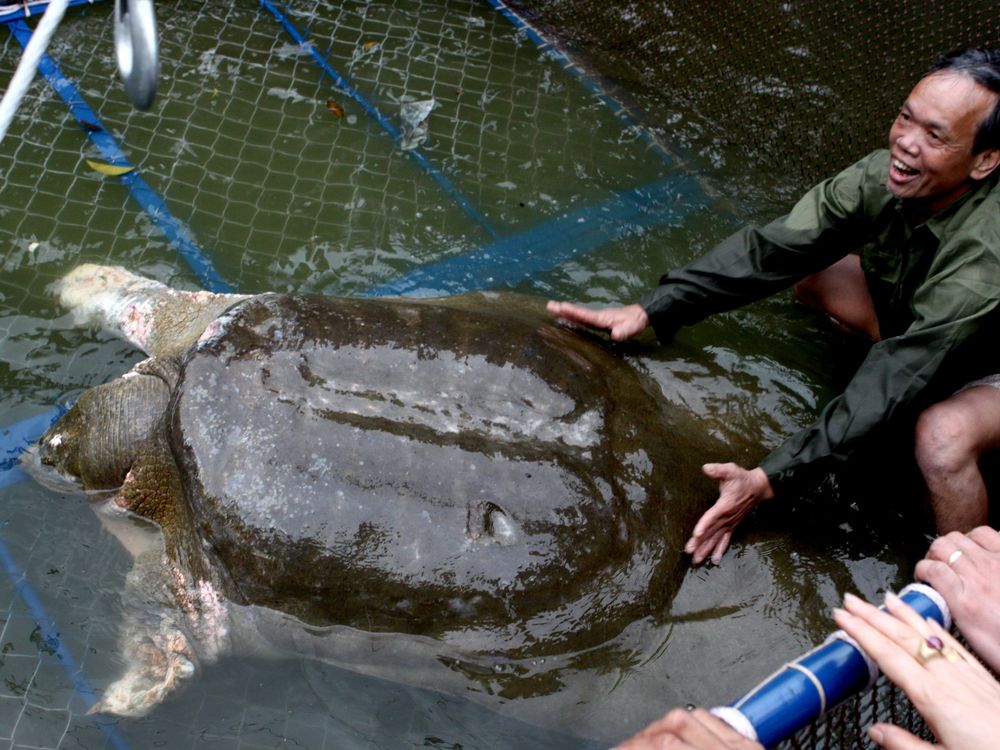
<point>139,189</point>
<point>33,9</point>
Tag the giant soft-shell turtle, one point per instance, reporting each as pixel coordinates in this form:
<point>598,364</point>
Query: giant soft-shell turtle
<point>463,471</point>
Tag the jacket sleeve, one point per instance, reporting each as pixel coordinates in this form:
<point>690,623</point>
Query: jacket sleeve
<point>824,226</point>
<point>956,309</point>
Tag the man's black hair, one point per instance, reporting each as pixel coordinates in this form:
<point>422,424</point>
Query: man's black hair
<point>983,66</point>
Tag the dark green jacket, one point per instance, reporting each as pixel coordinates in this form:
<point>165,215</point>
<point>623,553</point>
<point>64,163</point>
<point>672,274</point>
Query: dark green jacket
<point>936,288</point>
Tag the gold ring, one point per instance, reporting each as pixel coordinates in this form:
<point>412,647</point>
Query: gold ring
<point>952,655</point>
<point>929,648</point>
<point>954,556</point>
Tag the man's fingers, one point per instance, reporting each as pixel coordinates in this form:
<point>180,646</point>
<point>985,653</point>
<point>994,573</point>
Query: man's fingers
<point>622,331</point>
<point>705,547</point>
<point>892,737</point>
<point>986,537</point>
<point>576,313</point>
<point>721,546</point>
<point>938,574</point>
<point>706,532</point>
<point>719,472</point>
<point>691,546</point>
<point>704,525</point>
<point>621,322</point>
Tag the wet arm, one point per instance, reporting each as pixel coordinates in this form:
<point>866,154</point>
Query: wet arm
<point>828,222</point>
<point>954,312</point>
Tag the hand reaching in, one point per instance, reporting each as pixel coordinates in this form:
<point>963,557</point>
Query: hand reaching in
<point>740,490</point>
<point>622,322</point>
<point>689,730</point>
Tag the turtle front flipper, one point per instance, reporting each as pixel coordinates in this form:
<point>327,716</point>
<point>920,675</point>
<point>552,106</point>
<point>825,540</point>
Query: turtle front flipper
<point>101,437</point>
<point>152,316</point>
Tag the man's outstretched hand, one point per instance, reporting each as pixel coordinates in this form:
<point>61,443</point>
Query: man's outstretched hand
<point>622,322</point>
<point>740,490</point>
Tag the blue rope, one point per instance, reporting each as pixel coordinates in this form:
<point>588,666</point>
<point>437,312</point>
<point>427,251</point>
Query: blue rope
<point>52,641</point>
<point>372,111</point>
<point>18,436</point>
<point>523,256</point>
<point>146,197</point>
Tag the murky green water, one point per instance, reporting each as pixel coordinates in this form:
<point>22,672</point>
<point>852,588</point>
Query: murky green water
<point>281,192</point>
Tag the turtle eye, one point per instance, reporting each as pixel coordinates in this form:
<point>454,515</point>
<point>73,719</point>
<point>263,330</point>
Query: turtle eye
<point>488,519</point>
<point>499,525</point>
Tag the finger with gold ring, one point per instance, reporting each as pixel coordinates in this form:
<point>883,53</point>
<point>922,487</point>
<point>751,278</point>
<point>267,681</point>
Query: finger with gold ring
<point>929,648</point>
<point>934,646</point>
<point>954,556</point>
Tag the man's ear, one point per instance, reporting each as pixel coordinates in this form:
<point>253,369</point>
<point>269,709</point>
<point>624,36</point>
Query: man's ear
<point>984,163</point>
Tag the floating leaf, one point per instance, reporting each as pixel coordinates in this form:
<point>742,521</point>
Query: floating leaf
<point>334,107</point>
<point>369,46</point>
<point>111,170</point>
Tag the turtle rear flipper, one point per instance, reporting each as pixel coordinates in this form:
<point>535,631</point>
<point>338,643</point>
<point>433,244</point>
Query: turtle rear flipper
<point>163,645</point>
<point>158,664</point>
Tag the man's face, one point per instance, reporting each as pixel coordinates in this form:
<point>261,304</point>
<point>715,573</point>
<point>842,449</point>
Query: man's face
<point>931,139</point>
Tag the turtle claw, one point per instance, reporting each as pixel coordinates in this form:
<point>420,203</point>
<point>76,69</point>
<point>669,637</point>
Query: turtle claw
<point>156,670</point>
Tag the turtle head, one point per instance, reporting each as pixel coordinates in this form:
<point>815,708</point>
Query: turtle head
<point>59,447</point>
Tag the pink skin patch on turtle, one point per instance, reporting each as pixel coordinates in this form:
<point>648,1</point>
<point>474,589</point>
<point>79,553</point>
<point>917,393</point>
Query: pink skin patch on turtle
<point>210,331</point>
<point>121,499</point>
<point>180,582</point>
<point>137,323</point>
<point>212,626</point>
<point>206,613</point>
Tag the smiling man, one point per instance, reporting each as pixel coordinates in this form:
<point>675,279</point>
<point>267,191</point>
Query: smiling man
<point>902,248</point>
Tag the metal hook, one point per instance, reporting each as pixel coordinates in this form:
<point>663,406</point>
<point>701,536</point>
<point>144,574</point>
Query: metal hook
<point>136,50</point>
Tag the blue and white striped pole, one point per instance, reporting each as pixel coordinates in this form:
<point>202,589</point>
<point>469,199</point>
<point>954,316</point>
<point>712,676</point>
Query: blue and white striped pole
<point>805,689</point>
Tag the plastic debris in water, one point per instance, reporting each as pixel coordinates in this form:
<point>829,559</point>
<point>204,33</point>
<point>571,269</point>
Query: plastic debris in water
<point>333,106</point>
<point>414,119</point>
<point>111,170</point>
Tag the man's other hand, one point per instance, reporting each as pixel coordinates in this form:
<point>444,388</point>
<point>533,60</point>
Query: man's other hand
<point>740,490</point>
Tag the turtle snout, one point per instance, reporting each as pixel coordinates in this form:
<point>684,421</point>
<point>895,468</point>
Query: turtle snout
<point>58,448</point>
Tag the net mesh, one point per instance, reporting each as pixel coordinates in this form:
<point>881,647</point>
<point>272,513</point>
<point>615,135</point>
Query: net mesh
<point>282,175</point>
<point>789,92</point>
<point>288,182</point>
